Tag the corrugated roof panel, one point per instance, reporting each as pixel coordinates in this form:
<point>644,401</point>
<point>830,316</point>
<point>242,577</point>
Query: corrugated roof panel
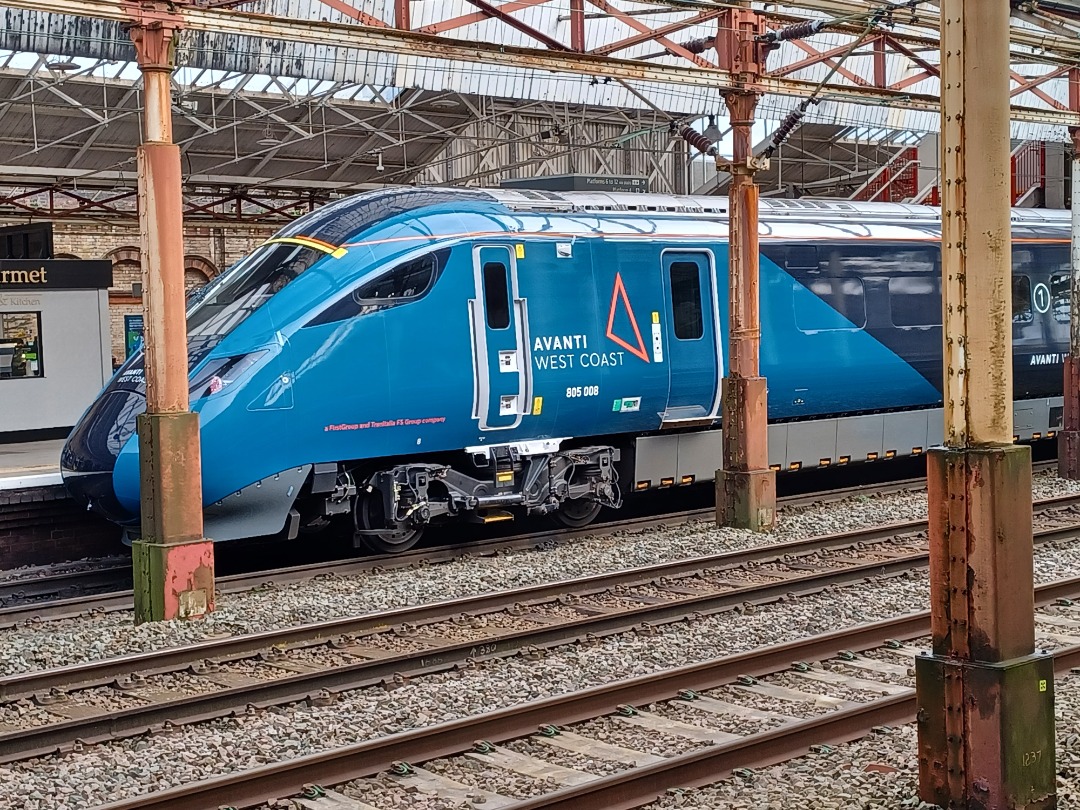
<point>78,36</point>
<point>67,34</point>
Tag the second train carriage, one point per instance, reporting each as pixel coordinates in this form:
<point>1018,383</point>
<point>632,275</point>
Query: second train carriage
<point>413,355</point>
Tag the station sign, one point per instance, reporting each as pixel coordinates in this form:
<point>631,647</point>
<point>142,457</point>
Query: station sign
<point>55,274</point>
<point>580,182</point>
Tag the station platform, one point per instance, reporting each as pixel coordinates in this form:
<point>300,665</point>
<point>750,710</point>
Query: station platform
<point>29,465</point>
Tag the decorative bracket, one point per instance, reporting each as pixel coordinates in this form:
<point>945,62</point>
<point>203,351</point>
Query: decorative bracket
<point>153,30</point>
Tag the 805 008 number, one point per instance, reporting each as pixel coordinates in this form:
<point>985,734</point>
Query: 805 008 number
<point>583,391</point>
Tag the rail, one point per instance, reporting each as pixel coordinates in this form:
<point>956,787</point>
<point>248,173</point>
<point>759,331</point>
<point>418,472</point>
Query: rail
<point>870,556</point>
<point>116,600</point>
<point>622,791</point>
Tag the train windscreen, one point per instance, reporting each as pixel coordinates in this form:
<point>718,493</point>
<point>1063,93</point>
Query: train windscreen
<point>246,286</point>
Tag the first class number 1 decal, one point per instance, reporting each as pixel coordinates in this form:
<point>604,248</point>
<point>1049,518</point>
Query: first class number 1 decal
<point>582,391</point>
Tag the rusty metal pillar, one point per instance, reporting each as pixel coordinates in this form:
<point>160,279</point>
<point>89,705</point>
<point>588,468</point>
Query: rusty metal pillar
<point>745,486</point>
<point>173,562</point>
<point>986,718</point>
<point>1069,437</point>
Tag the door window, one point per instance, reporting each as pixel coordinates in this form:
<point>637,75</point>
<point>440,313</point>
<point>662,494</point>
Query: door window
<point>686,300</point>
<point>1059,295</point>
<point>496,295</point>
<point>1021,300</point>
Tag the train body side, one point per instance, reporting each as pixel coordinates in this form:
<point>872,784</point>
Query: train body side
<point>559,328</point>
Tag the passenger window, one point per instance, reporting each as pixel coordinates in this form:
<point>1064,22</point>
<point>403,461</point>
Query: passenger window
<point>686,300</point>
<point>802,257</point>
<point>1021,300</point>
<point>915,300</point>
<point>1059,295</point>
<point>496,295</point>
<point>404,283</point>
<point>845,296</point>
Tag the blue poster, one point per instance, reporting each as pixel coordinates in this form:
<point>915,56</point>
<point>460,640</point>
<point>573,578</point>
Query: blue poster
<point>133,330</point>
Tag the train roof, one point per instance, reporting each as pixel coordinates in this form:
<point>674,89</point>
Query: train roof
<point>342,219</point>
<point>769,207</point>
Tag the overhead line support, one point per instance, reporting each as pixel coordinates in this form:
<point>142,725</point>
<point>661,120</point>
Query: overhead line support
<point>173,562</point>
<point>985,696</point>
<point>1069,438</point>
<point>745,486</point>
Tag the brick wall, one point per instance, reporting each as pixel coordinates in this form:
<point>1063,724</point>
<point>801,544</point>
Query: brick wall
<point>208,249</point>
<point>43,525</point>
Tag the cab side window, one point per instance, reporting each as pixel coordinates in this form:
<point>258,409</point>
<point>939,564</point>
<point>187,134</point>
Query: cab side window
<point>409,281</point>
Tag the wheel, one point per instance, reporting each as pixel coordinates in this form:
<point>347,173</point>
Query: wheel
<point>577,513</point>
<point>372,531</point>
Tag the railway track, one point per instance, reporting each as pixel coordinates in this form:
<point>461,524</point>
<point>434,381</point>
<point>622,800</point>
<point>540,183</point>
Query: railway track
<point>65,590</point>
<point>40,594</point>
<point>123,696</point>
<point>61,581</point>
<point>740,711</point>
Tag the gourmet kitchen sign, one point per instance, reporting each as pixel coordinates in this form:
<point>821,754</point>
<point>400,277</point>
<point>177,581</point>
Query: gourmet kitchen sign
<point>55,274</point>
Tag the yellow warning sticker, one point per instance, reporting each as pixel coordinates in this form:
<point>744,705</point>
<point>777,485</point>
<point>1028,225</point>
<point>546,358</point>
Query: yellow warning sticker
<point>656,317</point>
<point>538,405</point>
<point>1042,686</point>
<point>519,250</point>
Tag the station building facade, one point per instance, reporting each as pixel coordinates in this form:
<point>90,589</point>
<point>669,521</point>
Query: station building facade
<point>208,249</point>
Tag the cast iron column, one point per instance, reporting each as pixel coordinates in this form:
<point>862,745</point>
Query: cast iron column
<point>173,562</point>
<point>1069,438</point>
<point>745,486</point>
<point>986,719</point>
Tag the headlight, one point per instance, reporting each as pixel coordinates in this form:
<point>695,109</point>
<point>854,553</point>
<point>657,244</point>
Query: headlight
<point>220,373</point>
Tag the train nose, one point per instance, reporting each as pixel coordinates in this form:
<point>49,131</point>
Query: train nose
<point>89,455</point>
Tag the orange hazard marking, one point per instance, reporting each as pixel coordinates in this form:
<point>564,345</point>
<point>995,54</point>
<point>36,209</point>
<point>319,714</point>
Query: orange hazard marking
<point>620,292</point>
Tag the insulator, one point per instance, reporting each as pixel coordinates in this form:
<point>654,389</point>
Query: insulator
<point>699,45</point>
<point>789,123</point>
<point>696,139</point>
<point>797,31</point>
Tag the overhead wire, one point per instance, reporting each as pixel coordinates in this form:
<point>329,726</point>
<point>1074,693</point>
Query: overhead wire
<point>875,18</point>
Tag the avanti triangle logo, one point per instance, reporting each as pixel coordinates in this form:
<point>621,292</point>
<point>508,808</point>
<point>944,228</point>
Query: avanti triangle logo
<point>619,294</point>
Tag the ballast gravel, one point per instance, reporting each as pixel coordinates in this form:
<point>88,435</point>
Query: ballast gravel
<point>880,771</point>
<point>65,642</point>
<point>126,768</point>
<point>97,774</point>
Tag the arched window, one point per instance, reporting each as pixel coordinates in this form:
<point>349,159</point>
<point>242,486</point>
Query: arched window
<point>127,269</point>
<point>198,272</point>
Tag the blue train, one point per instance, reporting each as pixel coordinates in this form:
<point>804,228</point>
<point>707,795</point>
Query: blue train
<point>411,356</point>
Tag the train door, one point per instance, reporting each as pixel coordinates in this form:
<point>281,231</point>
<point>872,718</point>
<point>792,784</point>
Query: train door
<point>502,378</point>
<point>695,366</point>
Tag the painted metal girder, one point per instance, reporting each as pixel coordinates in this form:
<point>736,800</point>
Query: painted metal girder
<point>446,40</point>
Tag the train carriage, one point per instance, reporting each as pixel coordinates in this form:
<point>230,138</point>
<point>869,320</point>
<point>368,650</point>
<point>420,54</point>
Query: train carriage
<point>412,356</point>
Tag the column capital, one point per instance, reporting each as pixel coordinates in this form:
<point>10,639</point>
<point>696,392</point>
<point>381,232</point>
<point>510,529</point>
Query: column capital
<point>153,30</point>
